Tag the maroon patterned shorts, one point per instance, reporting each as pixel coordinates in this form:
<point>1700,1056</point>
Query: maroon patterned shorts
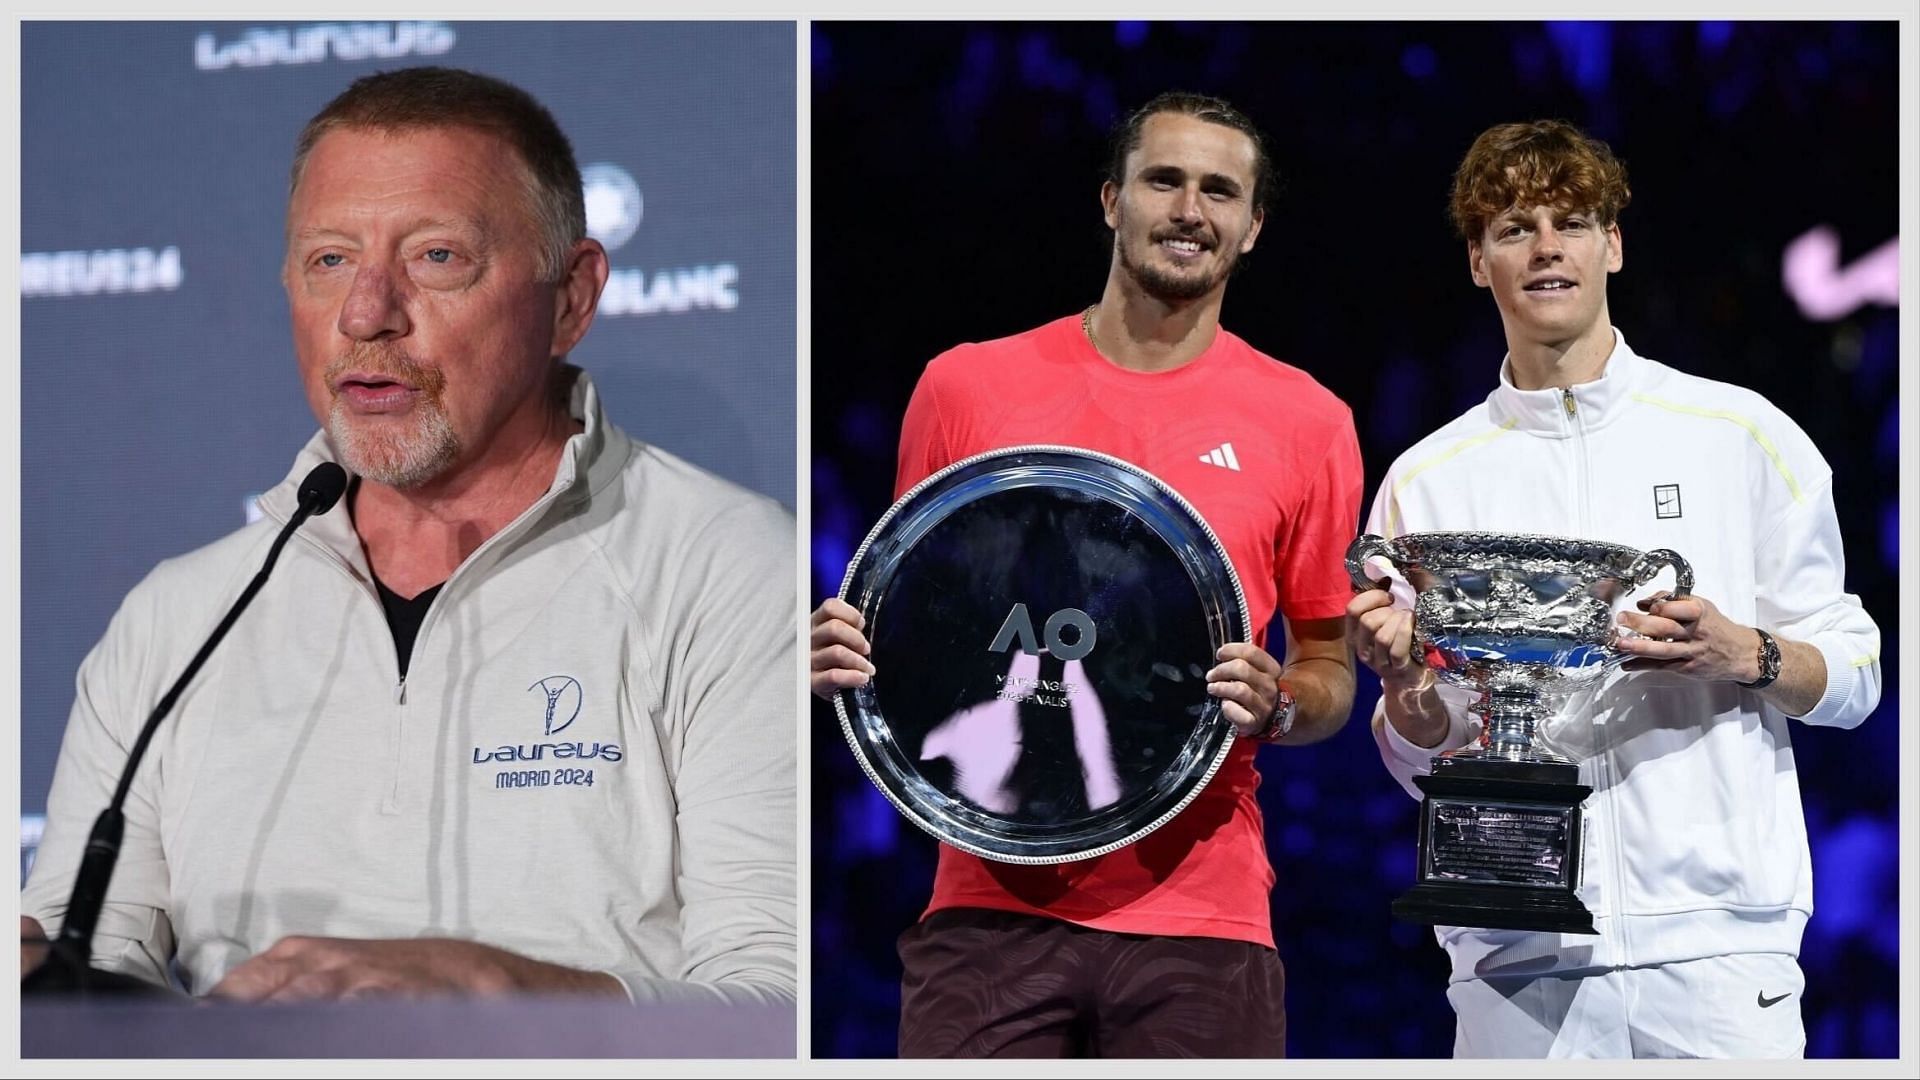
<point>984,983</point>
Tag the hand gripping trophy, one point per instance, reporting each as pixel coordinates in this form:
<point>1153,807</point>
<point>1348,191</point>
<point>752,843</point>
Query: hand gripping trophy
<point>1524,620</point>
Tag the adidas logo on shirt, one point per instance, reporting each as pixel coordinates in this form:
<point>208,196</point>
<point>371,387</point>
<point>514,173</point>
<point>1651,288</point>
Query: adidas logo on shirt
<point>1222,456</point>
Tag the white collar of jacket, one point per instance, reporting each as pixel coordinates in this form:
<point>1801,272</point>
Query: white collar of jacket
<point>588,461</point>
<point>1599,402</point>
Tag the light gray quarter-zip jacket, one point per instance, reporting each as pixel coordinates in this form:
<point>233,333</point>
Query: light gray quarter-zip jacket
<point>590,761</point>
<point>1695,844</point>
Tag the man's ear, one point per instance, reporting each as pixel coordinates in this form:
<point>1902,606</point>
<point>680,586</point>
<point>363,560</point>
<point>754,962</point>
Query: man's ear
<point>1259,218</point>
<point>578,294</point>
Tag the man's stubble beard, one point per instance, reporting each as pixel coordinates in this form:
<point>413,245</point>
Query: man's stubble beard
<point>404,459</point>
<point>1167,287</point>
<point>399,453</point>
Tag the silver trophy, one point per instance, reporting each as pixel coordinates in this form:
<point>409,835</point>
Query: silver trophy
<point>1524,621</point>
<point>1042,619</point>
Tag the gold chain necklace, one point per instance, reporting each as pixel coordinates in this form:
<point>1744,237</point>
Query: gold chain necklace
<point>1086,325</point>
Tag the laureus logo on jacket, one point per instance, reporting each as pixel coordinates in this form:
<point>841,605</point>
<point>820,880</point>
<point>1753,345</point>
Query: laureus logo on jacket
<point>562,691</point>
<point>556,700</point>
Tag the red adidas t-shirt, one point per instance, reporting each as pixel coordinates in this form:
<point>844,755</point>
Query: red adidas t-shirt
<point>1268,456</point>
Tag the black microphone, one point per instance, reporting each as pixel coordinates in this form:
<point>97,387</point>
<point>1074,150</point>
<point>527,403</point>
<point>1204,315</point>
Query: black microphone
<point>67,969</point>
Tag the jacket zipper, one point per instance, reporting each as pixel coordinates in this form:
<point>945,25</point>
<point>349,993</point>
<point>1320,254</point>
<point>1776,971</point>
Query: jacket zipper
<point>1617,877</point>
<point>333,558</point>
<point>391,804</point>
<point>1582,492</point>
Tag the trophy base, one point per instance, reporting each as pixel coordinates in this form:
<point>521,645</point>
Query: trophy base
<point>1494,908</point>
<point>1499,846</point>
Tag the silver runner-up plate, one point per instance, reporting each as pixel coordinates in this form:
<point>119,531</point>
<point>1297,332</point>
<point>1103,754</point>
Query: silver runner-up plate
<point>1042,620</point>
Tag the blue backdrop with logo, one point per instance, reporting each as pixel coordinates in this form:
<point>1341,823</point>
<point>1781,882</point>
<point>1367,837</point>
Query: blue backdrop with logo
<point>157,374</point>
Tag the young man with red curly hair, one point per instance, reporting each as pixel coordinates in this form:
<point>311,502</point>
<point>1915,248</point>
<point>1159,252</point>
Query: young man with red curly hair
<point>1696,866</point>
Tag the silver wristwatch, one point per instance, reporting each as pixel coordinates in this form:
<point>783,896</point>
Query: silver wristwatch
<point>1769,662</point>
<point>1282,720</point>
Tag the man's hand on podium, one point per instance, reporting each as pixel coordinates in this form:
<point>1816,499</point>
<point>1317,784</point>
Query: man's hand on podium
<point>33,944</point>
<point>316,968</point>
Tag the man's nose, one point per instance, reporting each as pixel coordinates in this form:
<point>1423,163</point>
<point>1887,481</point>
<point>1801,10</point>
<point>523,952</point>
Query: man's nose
<point>1546,245</point>
<point>1186,208</point>
<point>374,307</point>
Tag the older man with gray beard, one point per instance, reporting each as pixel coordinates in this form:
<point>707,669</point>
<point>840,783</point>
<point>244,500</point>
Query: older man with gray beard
<point>503,724</point>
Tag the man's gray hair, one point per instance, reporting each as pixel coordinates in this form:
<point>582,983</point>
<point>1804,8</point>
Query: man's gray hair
<point>436,97</point>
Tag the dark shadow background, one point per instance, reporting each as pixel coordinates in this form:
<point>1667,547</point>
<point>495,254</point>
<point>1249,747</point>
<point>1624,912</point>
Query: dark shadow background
<point>956,170</point>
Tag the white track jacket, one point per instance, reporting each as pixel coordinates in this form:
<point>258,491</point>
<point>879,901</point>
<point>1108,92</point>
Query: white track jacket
<point>1694,840</point>
<point>590,761</point>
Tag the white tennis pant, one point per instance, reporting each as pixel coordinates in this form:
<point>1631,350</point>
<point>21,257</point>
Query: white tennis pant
<point>1744,1006</point>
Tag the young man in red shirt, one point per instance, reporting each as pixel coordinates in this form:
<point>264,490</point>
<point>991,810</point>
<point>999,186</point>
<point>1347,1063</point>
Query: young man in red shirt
<point>1165,946</point>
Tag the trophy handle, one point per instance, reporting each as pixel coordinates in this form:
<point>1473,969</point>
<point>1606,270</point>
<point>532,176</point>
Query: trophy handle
<point>1363,548</point>
<point>1650,564</point>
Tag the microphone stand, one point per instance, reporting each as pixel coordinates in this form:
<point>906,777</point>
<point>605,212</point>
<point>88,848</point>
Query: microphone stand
<point>68,967</point>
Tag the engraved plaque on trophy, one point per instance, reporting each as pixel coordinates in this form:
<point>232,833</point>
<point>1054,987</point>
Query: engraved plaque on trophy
<point>1523,620</point>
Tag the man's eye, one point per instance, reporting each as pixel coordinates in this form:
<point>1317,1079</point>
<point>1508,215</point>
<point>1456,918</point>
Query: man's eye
<point>331,259</point>
<point>439,255</point>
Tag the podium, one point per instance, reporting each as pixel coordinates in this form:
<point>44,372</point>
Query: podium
<point>531,1027</point>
